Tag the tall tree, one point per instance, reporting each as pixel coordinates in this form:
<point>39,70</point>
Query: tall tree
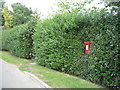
<point>69,6</point>
<point>113,4</point>
<point>7,17</point>
<point>21,14</point>
<point>1,15</point>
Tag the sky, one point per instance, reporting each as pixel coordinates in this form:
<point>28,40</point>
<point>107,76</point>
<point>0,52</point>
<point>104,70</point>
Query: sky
<point>46,7</point>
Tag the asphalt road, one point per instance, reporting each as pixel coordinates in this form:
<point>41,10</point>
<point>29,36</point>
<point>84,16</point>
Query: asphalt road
<point>12,77</point>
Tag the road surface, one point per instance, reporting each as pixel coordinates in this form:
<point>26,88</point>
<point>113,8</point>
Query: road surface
<point>12,77</point>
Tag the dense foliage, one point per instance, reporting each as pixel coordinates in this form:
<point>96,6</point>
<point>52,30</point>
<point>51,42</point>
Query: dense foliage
<point>1,15</point>
<point>59,44</point>
<point>102,63</point>
<point>21,14</point>
<point>56,44</point>
<point>18,41</point>
<point>8,18</point>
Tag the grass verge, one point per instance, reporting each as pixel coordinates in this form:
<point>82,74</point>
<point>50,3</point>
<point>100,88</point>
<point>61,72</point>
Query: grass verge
<point>6,56</point>
<point>53,78</point>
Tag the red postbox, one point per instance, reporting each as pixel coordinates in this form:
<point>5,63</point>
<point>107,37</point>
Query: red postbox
<point>87,47</point>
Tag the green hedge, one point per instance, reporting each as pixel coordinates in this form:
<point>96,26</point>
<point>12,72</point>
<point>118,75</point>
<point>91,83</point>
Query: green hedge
<point>55,46</point>
<point>59,44</point>
<point>18,41</point>
<point>3,39</point>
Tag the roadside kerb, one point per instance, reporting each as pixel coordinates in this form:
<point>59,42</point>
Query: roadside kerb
<point>36,79</point>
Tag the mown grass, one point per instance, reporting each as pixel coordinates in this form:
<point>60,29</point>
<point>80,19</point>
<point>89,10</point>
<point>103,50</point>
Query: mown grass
<point>13,59</point>
<point>57,79</point>
<point>53,78</point>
